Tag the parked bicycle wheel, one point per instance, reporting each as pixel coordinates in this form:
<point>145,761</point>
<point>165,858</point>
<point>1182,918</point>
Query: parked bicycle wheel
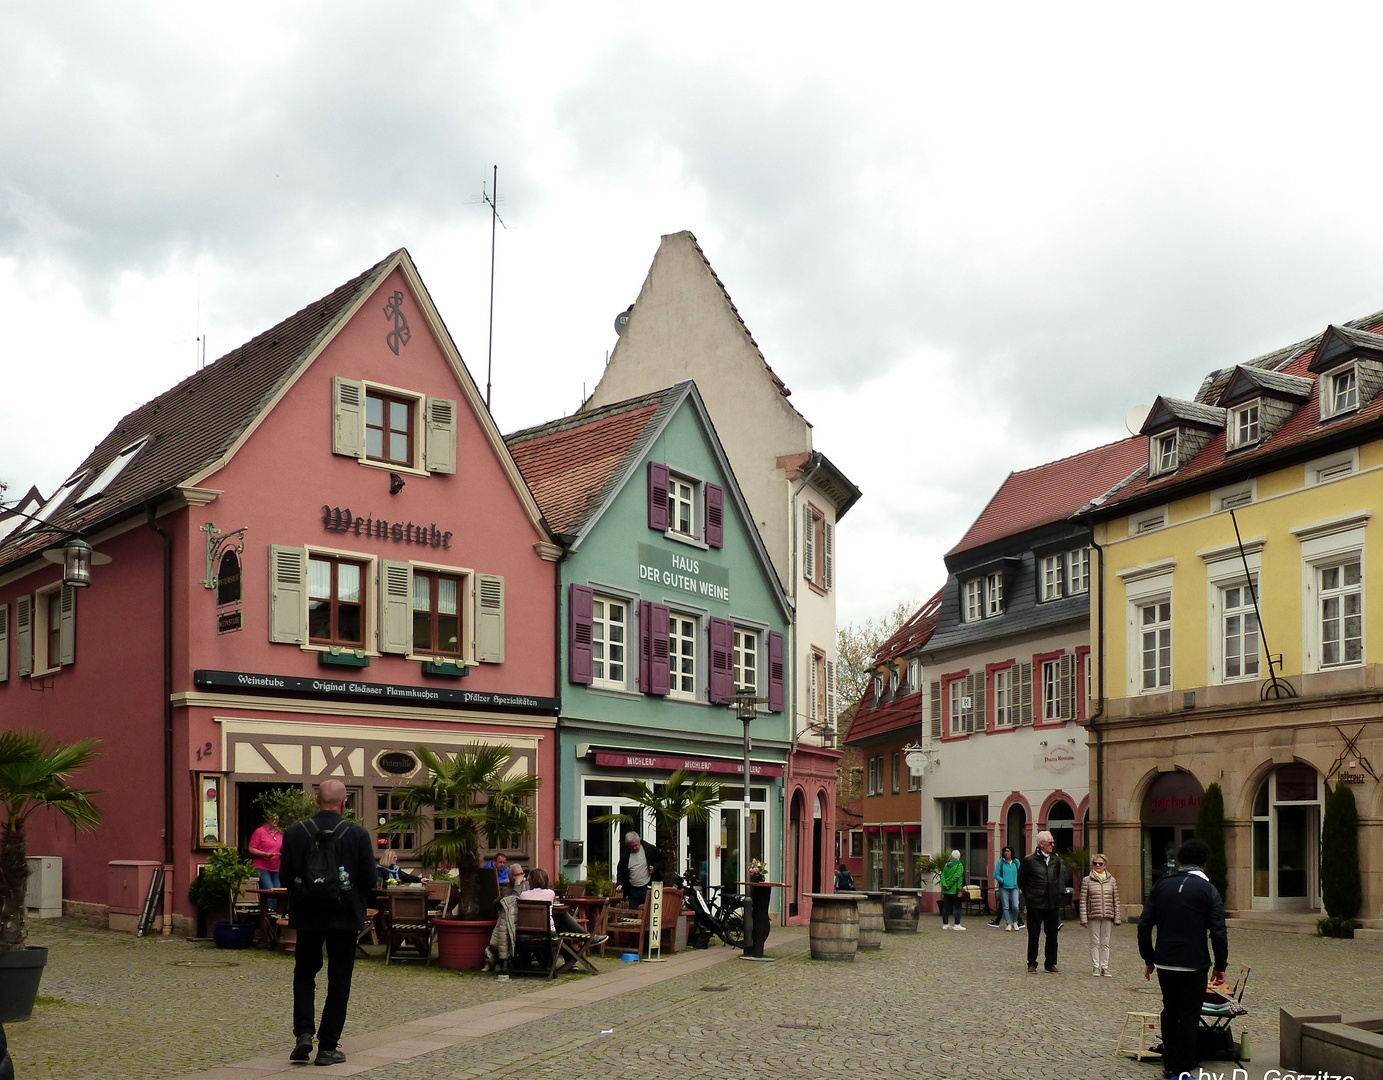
<point>732,921</point>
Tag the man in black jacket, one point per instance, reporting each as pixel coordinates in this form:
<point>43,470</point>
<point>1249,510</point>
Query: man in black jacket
<point>1042,879</point>
<point>1184,907</point>
<point>324,923</point>
<point>639,865</point>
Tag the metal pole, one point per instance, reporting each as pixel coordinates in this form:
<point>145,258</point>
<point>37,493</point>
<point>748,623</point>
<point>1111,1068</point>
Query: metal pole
<point>490,348</point>
<point>744,823</point>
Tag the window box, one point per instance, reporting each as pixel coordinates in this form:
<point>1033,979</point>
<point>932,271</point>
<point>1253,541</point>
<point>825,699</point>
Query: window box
<point>332,658</point>
<point>449,669</point>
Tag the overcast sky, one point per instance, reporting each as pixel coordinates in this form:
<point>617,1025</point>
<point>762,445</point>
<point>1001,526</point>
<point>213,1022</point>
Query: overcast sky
<point>969,237</point>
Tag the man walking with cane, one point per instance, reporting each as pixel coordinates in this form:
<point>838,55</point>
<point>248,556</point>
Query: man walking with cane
<point>1185,908</point>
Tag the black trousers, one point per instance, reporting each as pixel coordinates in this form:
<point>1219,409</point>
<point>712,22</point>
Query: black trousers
<point>1183,993</point>
<point>340,950</point>
<point>1040,919</point>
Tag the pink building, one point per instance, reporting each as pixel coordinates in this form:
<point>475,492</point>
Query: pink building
<point>321,555</point>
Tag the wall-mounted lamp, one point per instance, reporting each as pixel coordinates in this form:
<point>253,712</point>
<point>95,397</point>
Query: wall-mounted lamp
<point>76,558</point>
<point>395,483</point>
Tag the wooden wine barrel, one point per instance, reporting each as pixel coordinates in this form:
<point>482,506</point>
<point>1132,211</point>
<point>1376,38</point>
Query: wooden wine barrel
<point>871,916</point>
<point>835,928</point>
<point>900,914</point>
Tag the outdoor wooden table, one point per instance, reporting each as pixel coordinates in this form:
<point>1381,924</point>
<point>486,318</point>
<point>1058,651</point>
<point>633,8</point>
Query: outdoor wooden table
<point>756,933</point>
<point>835,928</point>
<point>268,920</point>
<point>902,909</point>
<point>871,918</point>
<point>592,912</point>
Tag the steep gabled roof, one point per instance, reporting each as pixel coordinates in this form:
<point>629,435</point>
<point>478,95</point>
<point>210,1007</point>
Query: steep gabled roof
<point>906,710</point>
<point>1053,492</point>
<point>1248,382</point>
<point>190,427</point>
<point>1169,411</point>
<point>1340,341</point>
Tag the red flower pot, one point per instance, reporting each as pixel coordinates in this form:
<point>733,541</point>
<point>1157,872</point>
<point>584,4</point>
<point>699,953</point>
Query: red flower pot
<point>461,943</point>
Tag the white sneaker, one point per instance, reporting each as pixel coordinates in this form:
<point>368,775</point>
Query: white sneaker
<point>945,926</point>
<point>957,927</point>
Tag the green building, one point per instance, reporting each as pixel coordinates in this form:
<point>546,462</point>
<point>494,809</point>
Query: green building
<point>669,605</point>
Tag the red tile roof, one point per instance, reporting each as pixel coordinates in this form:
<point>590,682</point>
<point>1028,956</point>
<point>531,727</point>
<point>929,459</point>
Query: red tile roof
<point>189,427</point>
<point>899,714</point>
<point>905,711</point>
<point>569,463</point>
<point>1055,491</point>
<point>1300,430</point>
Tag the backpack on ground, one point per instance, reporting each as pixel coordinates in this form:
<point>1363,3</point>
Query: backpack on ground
<point>323,884</point>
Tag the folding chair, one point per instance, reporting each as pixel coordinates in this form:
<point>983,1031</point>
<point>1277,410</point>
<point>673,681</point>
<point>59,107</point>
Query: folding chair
<point>1215,1038</point>
<point>409,928</point>
<point>534,936</point>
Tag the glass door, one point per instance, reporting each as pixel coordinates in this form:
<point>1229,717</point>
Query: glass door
<point>1286,840</point>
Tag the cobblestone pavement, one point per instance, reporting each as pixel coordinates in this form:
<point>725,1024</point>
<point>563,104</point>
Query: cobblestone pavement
<point>931,1005</point>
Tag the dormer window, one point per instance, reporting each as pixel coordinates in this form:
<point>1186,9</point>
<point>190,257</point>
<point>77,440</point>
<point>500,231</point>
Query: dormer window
<point>1342,391</point>
<point>1244,429</point>
<point>993,595</point>
<point>1164,454</point>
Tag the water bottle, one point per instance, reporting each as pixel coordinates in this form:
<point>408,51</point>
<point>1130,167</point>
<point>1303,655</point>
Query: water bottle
<point>345,880</point>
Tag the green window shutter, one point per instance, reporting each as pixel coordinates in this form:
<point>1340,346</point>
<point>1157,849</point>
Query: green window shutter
<point>808,544</point>
<point>24,633</point>
<point>4,642</point>
<point>287,595</point>
<point>936,708</point>
<point>67,627</point>
<point>347,417</point>
<point>395,607</point>
<point>830,695</point>
<point>441,435</point>
<point>489,619</point>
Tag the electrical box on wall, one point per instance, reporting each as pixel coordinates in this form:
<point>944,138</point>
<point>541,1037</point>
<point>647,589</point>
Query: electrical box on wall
<point>573,852</point>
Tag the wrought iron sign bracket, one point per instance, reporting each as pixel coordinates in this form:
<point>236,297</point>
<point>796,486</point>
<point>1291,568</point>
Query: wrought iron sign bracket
<point>217,544</point>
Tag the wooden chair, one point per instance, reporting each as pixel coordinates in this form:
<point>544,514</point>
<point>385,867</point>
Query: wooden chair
<point>410,928</point>
<point>577,890</point>
<point>438,898</point>
<point>630,927</point>
<point>534,936</point>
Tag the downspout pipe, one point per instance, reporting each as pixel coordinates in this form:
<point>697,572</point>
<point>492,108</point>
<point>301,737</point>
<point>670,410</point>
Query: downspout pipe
<point>151,510</point>
<point>1098,713</point>
<point>794,577</point>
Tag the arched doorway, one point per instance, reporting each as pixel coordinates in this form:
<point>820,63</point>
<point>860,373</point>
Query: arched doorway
<point>1015,830</point>
<point>818,838</point>
<point>1169,820</point>
<point>1061,823</point>
<point>793,853</point>
<point>1286,839</point>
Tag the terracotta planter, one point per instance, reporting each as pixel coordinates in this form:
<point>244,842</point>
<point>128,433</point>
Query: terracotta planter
<point>21,970</point>
<point>461,943</point>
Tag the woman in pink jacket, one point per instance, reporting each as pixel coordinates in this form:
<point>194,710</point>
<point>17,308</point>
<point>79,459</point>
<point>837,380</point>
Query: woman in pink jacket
<point>1099,910</point>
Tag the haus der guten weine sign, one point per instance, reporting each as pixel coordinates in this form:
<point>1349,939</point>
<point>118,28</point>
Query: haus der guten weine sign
<point>690,573</point>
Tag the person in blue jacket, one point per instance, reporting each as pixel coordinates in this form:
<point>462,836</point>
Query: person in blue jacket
<point>1006,881</point>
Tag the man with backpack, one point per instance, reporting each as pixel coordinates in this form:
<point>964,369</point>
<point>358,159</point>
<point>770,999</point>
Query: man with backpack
<point>328,866</point>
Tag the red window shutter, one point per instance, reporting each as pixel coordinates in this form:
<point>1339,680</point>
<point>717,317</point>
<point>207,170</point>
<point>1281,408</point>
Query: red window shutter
<point>581,656</point>
<point>660,666</point>
<point>722,686</point>
<point>715,516</point>
<point>646,646</point>
<point>776,696</point>
<point>657,496</point>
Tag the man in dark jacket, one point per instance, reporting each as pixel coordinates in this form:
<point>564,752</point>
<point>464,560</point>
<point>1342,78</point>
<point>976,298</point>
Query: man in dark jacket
<point>639,865</point>
<point>1043,879</point>
<point>319,924</point>
<point>1184,907</point>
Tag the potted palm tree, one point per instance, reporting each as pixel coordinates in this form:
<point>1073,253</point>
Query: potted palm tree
<point>35,774</point>
<point>468,802</point>
<point>684,795</point>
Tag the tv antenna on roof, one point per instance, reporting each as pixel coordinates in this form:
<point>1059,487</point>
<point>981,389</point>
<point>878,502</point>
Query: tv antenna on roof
<point>491,198</point>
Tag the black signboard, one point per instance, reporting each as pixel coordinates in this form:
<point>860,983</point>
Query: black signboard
<point>383,693</point>
<point>398,763</point>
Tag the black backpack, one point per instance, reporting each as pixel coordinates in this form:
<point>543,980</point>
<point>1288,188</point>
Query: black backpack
<point>323,884</point>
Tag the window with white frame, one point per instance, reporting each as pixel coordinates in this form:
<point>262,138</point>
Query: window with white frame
<point>818,548</point>
<point>1078,571</point>
<point>896,772</point>
<point>1239,632</point>
<point>1244,428</point>
<point>682,656</point>
<point>875,776</point>
<point>1155,639</point>
<point>914,674</point>
<point>973,600</point>
<point>959,706</point>
<point>1051,690</point>
<point>1341,606</point>
<point>681,506</point>
<point>1005,708</point>
<point>1163,453</point>
<point>994,595</point>
<point>893,679</point>
<point>50,619</point>
<point>609,642</point>
<point>1341,392</point>
<point>746,659</point>
<point>1053,572</point>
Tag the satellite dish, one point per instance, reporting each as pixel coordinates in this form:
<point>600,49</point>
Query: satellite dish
<point>622,319</point>
<point>1136,417</point>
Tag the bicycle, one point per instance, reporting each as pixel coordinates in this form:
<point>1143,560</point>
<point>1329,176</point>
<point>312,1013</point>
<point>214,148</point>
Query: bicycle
<point>720,915</point>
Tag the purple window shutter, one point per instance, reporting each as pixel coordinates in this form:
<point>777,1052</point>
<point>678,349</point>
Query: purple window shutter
<point>645,647</point>
<point>581,660</point>
<point>775,672</point>
<point>715,515</point>
<point>722,662</point>
<point>657,496</point>
<point>660,665</point>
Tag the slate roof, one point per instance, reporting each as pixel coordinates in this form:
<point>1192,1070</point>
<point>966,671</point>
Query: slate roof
<point>188,428</point>
<point>573,464</point>
<point>1276,382</point>
<point>1054,491</point>
<point>1191,412</point>
<point>1296,437</point>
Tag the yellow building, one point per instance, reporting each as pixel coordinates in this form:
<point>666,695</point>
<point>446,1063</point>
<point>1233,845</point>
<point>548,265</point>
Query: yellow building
<point>1268,480</point>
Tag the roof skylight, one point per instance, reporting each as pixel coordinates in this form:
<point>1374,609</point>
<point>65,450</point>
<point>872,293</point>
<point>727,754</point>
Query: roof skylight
<point>110,472</point>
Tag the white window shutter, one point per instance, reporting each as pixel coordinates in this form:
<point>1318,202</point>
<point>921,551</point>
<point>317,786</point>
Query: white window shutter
<point>831,693</point>
<point>811,691</point>
<point>489,619</point>
<point>287,594</point>
<point>1065,686</point>
<point>67,627</point>
<point>441,435</point>
<point>4,642</point>
<point>1024,694</point>
<point>828,556</point>
<point>395,607</point>
<point>24,633</point>
<point>979,718</point>
<point>936,708</point>
<point>808,544</point>
<point>347,417</point>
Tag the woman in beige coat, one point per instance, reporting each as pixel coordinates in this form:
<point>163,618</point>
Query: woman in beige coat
<point>1099,910</point>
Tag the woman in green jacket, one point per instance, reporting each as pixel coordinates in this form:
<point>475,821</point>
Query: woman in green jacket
<point>952,881</point>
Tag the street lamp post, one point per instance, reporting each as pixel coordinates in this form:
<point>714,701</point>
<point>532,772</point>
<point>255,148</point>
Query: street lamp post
<point>746,708</point>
